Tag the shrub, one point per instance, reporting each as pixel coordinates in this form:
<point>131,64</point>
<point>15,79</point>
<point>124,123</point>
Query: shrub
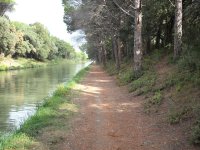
<point>146,81</point>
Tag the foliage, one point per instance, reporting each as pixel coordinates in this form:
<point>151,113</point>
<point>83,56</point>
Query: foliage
<point>157,98</point>
<point>20,63</point>
<point>125,77</point>
<point>33,41</point>
<point>176,116</point>
<point>195,138</point>
<point>190,60</point>
<point>110,68</point>
<point>8,38</point>
<point>6,5</point>
<point>196,133</point>
<point>144,84</point>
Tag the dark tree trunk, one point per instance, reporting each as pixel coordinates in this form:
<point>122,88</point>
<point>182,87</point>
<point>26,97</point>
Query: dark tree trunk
<point>158,35</point>
<point>113,49</point>
<point>103,55</point>
<point>119,50</point>
<point>169,31</point>
<point>117,62</point>
<point>147,45</point>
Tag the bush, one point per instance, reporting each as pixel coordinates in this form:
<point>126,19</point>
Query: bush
<point>145,82</point>
<point>190,61</point>
<point>3,68</point>
<point>126,77</point>
<point>8,37</point>
<point>157,98</point>
<point>196,133</point>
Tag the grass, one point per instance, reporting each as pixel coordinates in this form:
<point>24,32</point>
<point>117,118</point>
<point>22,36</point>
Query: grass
<point>23,63</point>
<point>143,84</point>
<point>20,63</point>
<point>195,138</point>
<point>153,102</point>
<point>110,68</point>
<point>52,116</point>
<point>176,116</point>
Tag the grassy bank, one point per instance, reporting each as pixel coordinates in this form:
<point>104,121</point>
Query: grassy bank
<point>167,86</point>
<point>50,121</point>
<point>21,63</point>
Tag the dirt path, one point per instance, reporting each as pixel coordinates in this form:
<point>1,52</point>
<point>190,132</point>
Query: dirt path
<point>112,119</point>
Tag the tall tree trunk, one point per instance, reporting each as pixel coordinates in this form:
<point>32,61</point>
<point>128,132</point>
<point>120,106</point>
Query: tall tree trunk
<point>113,49</point>
<point>119,50</point>
<point>104,56</point>
<point>178,29</point>
<point>117,62</point>
<point>100,56</point>
<point>158,35</point>
<point>169,31</point>
<point>138,37</point>
<point>147,44</point>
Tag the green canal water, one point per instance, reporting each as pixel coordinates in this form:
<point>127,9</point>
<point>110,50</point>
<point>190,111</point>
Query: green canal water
<point>21,91</point>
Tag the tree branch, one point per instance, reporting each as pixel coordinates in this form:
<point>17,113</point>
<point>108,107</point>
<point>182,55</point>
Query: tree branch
<point>171,3</point>
<point>126,12</point>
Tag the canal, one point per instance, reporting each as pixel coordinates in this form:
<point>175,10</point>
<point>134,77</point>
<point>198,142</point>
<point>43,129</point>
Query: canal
<point>21,91</point>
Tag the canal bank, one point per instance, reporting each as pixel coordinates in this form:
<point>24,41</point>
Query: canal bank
<point>20,63</point>
<point>21,91</point>
<point>50,115</point>
<point>7,64</point>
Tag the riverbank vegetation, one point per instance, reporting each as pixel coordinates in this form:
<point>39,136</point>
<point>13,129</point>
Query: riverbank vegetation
<point>27,46</point>
<point>50,118</point>
<point>152,47</point>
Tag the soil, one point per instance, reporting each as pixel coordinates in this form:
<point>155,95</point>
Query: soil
<point>110,118</point>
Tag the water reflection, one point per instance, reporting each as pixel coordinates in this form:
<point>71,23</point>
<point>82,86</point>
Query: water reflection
<point>21,91</point>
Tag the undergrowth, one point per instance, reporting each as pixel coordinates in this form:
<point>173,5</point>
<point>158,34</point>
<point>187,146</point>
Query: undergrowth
<point>180,87</point>
<point>143,84</point>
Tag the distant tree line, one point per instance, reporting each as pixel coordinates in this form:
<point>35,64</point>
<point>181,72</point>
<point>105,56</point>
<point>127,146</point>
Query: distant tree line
<point>33,41</point>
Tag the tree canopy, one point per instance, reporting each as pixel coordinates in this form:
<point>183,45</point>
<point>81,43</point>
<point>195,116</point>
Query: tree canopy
<point>110,27</point>
<point>6,5</point>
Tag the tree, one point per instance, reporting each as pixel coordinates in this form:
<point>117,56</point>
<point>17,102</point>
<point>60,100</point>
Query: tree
<point>178,29</point>
<point>45,44</point>
<point>8,37</point>
<point>138,37</point>
<point>6,5</point>
<point>132,30</point>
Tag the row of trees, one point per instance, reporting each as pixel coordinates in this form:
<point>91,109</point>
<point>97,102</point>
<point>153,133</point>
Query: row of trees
<point>32,41</point>
<point>116,29</point>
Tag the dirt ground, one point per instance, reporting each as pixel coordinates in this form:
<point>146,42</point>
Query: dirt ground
<point>110,118</point>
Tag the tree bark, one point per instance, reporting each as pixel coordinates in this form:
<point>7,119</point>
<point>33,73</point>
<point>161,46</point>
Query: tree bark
<point>178,29</point>
<point>113,49</point>
<point>117,62</point>
<point>119,50</point>
<point>104,56</point>
<point>147,45</point>
<point>169,31</point>
<point>158,35</point>
<point>138,37</point>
